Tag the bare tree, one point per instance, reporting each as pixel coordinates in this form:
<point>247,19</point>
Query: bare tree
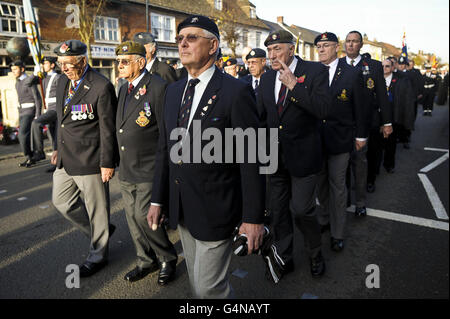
<point>227,22</point>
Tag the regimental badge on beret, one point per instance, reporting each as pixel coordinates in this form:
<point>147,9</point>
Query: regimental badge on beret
<point>194,20</point>
<point>125,48</point>
<point>252,53</point>
<point>274,36</point>
<point>324,37</point>
<point>228,62</point>
<point>64,48</point>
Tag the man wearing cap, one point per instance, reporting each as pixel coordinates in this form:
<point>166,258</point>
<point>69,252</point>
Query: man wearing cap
<point>138,117</point>
<point>49,84</point>
<point>86,153</point>
<point>379,118</point>
<point>245,70</point>
<point>153,64</point>
<point>295,96</point>
<point>29,108</point>
<point>256,61</point>
<point>231,68</point>
<point>338,139</point>
<point>207,200</point>
<point>429,90</point>
<point>420,83</point>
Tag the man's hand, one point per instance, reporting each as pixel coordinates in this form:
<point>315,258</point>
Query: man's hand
<point>154,217</point>
<point>255,233</point>
<point>107,174</point>
<point>387,130</point>
<point>54,157</point>
<point>359,144</point>
<point>286,76</point>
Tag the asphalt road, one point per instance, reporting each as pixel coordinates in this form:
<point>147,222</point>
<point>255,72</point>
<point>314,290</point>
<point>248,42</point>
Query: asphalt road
<point>37,243</point>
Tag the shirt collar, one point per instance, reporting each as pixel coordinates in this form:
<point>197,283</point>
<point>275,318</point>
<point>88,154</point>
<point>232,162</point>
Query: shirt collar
<point>136,81</point>
<point>388,79</point>
<point>22,77</point>
<point>206,76</point>
<point>357,59</point>
<point>150,64</point>
<point>74,83</point>
<point>333,64</point>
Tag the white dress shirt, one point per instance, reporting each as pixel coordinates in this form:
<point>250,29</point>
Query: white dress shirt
<point>254,82</point>
<point>332,70</point>
<point>136,81</point>
<point>200,88</point>
<point>356,60</point>
<point>278,83</point>
<point>150,64</point>
<point>388,80</point>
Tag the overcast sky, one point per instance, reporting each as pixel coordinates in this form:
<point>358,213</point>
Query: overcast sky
<point>426,22</point>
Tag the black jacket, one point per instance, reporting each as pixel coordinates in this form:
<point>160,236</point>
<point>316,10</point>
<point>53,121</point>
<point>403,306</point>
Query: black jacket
<point>212,198</point>
<point>88,144</point>
<point>401,98</point>
<point>163,70</point>
<point>137,128</point>
<point>298,126</point>
<point>347,116</point>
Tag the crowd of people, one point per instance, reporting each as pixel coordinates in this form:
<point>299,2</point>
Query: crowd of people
<point>337,120</point>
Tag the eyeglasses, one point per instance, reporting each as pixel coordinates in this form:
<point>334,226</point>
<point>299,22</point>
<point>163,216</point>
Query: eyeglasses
<point>387,66</point>
<point>325,45</point>
<point>67,65</point>
<point>125,62</point>
<point>191,38</point>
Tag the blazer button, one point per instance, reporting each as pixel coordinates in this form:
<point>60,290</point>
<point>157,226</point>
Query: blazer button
<point>324,121</point>
<point>281,127</point>
<point>62,125</point>
<point>177,181</point>
<point>122,148</point>
<point>180,162</point>
<point>120,131</point>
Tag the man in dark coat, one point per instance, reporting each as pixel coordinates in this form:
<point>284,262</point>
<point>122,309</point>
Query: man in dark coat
<point>429,93</point>
<point>86,153</point>
<point>294,95</point>
<point>138,117</point>
<point>207,197</point>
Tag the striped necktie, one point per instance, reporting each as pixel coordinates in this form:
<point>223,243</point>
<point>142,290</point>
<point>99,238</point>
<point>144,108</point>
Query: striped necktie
<point>183,115</point>
<point>352,62</point>
<point>281,98</point>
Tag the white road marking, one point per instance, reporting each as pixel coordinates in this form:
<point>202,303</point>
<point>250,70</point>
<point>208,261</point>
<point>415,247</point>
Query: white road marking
<point>22,199</point>
<point>431,223</point>
<point>439,209</point>
<point>435,149</point>
<point>3,191</point>
<point>434,164</point>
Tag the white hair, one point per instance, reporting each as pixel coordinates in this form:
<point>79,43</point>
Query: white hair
<point>211,35</point>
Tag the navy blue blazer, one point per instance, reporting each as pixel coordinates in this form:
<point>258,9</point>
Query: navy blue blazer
<point>348,111</point>
<point>298,125</point>
<point>211,198</point>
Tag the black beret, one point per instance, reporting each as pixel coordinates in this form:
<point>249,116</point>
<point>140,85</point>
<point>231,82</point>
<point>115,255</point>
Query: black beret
<point>144,38</point>
<point>230,62</point>
<point>402,60</point>
<point>71,48</point>
<point>326,36</point>
<point>129,48</point>
<point>201,22</point>
<point>366,56</point>
<point>256,53</point>
<point>18,63</point>
<point>279,36</point>
<point>51,59</point>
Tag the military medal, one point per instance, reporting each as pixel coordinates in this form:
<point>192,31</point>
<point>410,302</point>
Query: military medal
<point>147,109</point>
<point>84,115</point>
<point>74,116</point>
<point>142,120</point>
<point>91,112</point>
<point>370,84</point>
<point>343,96</point>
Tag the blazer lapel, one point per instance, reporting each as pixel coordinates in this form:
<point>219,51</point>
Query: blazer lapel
<point>136,97</point>
<point>60,94</point>
<point>122,96</point>
<point>299,71</point>
<point>175,103</point>
<point>82,90</point>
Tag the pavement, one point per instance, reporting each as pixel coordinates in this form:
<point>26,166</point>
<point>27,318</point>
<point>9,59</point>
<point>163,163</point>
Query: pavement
<point>402,239</point>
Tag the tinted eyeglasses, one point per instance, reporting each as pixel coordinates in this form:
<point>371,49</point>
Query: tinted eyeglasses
<point>191,38</point>
<point>125,62</point>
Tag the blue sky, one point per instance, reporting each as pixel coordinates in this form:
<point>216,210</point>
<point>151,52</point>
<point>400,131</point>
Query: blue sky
<point>425,22</point>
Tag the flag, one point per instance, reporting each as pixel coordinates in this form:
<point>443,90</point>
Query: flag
<point>296,44</point>
<point>34,40</point>
<point>404,49</point>
<point>434,63</point>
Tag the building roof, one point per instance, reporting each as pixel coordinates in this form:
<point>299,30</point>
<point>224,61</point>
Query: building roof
<point>307,35</point>
<point>205,7</point>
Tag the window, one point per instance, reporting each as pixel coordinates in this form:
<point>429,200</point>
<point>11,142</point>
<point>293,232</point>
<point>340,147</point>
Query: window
<point>307,52</point>
<point>163,27</point>
<point>106,29</point>
<point>258,39</point>
<point>244,38</point>
<point>218,4</point>
<point>12,18</point>
<point>252,13</point>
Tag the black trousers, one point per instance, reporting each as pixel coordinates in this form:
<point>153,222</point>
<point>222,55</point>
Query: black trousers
<point>49,118</point>
<point>428,101</point>
<point>25,121</point>
<point>292,199</point>
<point>378,147</point>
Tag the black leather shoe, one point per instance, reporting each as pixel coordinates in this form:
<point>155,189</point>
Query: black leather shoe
<point>112,229</point>
<point>324,228</point>
<point>23,164</point>
<point>167,272</point>
<point>38,156</point>
<point>30,163</point>
<point>337,244</point>
<point>370,187</point>
<point>88,269</point>
<point>317,265</point>
<point>360,212</point>
<point>406,146</point>
<point>390,170</point>
<point>138,273</point>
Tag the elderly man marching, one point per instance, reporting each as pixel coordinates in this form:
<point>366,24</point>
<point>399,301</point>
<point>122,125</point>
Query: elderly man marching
<point>86,153</point>
<point>139,114</point>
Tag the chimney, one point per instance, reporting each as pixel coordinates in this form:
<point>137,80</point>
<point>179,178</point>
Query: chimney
<point>280,20</point>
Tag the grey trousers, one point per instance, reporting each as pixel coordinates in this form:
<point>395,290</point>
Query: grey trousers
<point>359,168</point>
<point>294,198</point>
<point>91,216</point>
<point>332,193</point>
<point>49,118</point>
<point>207,264</point>
<point>151,246</point>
